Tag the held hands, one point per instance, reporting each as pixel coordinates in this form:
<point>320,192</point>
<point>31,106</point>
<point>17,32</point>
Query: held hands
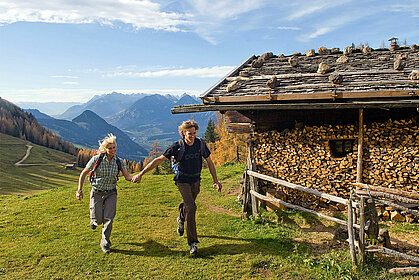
<point>217,185</point>
<point>136,178</point>
<point>79,194</point>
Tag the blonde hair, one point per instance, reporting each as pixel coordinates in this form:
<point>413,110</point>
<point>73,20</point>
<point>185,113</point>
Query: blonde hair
<point>103,144</point>
<point>186,125</point>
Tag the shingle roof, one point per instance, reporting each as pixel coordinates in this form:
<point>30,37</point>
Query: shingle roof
<point>353,74</point>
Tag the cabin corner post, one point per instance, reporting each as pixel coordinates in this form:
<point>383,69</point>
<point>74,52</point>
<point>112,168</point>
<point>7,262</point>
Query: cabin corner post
<point>360,146</point>
<point>251,165</point>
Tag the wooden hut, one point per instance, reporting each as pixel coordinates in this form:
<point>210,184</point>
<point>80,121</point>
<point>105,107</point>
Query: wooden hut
<point>326,118</point>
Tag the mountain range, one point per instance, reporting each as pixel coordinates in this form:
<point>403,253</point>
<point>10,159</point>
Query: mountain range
<point>141,118</point>
<point>87,129</point>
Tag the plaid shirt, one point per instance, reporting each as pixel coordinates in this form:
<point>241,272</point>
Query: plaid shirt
<point>106,174</point>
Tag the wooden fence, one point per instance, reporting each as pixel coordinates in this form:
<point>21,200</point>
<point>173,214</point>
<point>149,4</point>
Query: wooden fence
<point>368,219</point>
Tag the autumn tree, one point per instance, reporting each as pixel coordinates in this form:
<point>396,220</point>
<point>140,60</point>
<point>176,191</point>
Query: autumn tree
<point>229,147</point>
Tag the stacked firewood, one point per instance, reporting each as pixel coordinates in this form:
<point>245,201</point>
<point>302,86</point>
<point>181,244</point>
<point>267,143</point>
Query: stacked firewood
<point>303,156</point>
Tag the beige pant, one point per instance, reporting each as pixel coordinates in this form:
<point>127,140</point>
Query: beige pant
<point>187,208</point>
<point>103,211</point>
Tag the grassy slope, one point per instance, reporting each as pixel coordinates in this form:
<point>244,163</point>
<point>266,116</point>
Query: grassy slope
<point>28,179</point>
<point>46,236</point>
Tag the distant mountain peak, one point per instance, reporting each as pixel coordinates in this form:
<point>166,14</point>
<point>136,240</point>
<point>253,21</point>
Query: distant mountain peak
<point>88,116</point>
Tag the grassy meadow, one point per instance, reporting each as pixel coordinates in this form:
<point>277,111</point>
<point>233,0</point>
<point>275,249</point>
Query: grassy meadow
<point>45,235</point>
<point>32,178</point>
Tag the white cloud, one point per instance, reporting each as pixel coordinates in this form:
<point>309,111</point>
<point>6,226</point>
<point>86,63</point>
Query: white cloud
<point>138,13</point>
<point>335,23</point>
<point>65,77</point>
<point>70,83</point>
<point>224,8</point>
<point>303,8</point>
<point>206,72</point>
<point>288,28</point>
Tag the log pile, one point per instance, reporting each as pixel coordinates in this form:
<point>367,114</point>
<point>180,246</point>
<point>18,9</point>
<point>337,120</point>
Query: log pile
<point>303,156</point>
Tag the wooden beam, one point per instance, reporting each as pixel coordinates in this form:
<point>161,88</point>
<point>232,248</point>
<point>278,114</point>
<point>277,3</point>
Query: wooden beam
<point>390,196</point>
<point>313,96</point>
<point>297,187</point>
<point>296,106</point>
<point>388,190</point>
<point>351,238</point>
<point>301,75</point>
<point>376,248</point>
<point>240,128</point>
<point>362,221</point>
<point>410,269</point>
<point>299,208</point>
<point>360,144</point>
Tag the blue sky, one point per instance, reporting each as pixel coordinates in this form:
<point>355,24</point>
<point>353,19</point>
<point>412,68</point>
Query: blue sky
<point>70,50</point>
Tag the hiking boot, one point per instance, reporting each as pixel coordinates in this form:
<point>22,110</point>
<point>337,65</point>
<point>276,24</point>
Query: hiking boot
<point>180,226</point>
<point>105,250</point>
<point>193,248</point>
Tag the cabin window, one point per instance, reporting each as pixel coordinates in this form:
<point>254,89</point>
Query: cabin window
<point>341,147</point>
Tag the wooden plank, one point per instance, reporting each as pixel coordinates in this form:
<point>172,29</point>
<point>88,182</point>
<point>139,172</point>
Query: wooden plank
<point>304,75</point>
<point>397,206</point>
<point>376,248</point>
<point>298,187</point>
<point>240,128</point>
<point>388,190</point>
<point>299,208</point>
<point>404,82</point>
<point>351,232</point>
<point>245,195</point>
<point>388,196</point>
<point>413,103</point>
<point>252,181</point>
<point>314,96</point>
<point>410,269</point>
<point>362,231</point>
<point>360,145</point>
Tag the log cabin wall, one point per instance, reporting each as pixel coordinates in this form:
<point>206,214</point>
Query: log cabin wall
<point>303,156</point>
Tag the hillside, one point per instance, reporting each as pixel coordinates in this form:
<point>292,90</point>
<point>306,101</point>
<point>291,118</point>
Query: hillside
<point>15,122</point>
<point>88,128</point>
<point>150,118</point>
<point>143,117</point>
<point>59,244</point>
<point>51,172</point>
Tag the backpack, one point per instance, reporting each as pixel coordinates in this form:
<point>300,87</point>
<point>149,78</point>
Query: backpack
<point>176,160</point>
<point>97,163</point>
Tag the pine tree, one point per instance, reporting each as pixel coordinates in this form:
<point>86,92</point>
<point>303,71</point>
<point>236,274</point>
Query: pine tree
<point>210,136</point>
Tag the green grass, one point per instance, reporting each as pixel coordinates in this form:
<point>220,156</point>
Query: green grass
<point>28,179</point>
<point>46,236</point>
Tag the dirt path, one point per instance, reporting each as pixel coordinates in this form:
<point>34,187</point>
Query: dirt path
<point>28,152</point>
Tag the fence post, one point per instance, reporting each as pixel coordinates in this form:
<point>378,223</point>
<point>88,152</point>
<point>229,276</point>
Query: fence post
<point>362,209</point>
<point>351,232</point>
<point>252,180</point>
<point>245,194</point>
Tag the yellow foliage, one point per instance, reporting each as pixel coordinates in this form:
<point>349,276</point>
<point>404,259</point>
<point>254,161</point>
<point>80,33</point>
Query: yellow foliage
<point>228,145</point>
